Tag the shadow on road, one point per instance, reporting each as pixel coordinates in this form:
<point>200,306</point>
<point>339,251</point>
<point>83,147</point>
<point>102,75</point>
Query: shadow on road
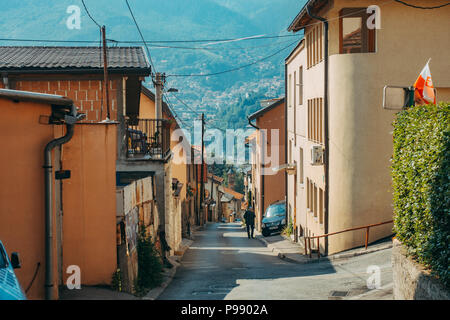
<point>222,256</point>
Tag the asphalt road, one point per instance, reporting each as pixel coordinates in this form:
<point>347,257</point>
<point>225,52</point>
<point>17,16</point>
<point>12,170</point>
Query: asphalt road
<point>223,263</point>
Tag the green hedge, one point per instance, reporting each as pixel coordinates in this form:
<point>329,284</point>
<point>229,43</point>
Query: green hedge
<point>421,175</point>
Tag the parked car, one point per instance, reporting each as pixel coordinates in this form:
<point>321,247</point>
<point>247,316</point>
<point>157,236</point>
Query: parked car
<point>10,288</point>
<point>274,219</point>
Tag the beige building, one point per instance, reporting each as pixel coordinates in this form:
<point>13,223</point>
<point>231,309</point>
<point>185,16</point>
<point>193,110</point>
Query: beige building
<point>346,107</point>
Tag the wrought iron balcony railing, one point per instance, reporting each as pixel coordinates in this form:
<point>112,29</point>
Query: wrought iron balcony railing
<point>148,138</point>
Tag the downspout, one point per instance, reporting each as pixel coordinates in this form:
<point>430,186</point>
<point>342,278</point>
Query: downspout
<point>262,165</point>
<point>49,277</point>
<point>286,141</point>
<point>326,123</point>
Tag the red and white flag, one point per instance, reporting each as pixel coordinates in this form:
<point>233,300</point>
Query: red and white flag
<point>424,87</point>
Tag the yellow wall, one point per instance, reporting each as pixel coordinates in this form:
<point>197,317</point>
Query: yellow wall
<point>89,203</point>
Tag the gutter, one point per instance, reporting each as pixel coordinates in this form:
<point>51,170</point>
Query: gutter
<point>286,140</point>
<point>326,124</point>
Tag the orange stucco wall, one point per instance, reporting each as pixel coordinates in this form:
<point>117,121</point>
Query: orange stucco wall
<point>22,229</point>
<point>88,202</point>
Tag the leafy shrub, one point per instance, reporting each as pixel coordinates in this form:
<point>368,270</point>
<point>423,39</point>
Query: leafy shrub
<point>289,229</point>
<point>421,184</point>
<point>149,264</point>
<point>116,283</point>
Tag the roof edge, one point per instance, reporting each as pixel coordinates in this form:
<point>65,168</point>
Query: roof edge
<point>260,112</point>
<point>18,95</point>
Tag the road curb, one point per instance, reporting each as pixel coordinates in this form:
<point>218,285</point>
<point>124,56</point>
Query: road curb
<point>156,292</point>
<point>335,257</point>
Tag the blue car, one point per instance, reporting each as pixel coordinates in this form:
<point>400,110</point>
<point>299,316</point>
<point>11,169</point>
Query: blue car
<point>274,219</point>
<point>10,288</point>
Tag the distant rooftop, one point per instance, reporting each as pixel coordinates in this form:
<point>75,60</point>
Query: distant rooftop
<point>14,59</point>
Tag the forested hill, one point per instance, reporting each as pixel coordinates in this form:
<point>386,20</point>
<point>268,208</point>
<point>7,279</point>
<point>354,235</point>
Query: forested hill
<point>227,97</point>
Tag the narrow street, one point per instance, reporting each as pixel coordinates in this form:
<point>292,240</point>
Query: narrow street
<point>223,263</point>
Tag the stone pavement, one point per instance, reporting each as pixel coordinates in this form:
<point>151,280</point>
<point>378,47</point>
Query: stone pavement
<point>95,293</point>
<point>106,293</point>
<point>290,251</point>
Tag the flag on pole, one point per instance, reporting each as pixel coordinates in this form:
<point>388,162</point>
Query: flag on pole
<point>424,89</point>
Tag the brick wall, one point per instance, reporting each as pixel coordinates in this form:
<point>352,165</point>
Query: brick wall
<point>87,95</point>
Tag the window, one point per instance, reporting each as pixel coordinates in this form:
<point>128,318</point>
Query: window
<point>301,166</point>
<point>295,106</point>
<point>314,43</point>
<point>300,86</point>
<point>307,194</point>
<point>315,201</point>
<point>354,36</point>
<point>315,120</point>
<point>294,89</point>
<point>289,91</point>
<point>290,151</point>
<point>321,206</point>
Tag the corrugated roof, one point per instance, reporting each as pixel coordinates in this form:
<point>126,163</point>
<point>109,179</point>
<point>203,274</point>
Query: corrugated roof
<point>216,178</point>
<point>235,194</point>
<point>63,59</point>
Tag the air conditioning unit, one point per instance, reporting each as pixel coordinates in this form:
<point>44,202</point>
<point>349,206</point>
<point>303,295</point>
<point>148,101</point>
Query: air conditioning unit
<point>316,155</point>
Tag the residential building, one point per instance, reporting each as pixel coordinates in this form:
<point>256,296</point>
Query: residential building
<point>338,134</point>
<point>231,202</point>
<point>214,207</point>
<point>268,153</point>
<point>83,204</point>
<point>151,144</point>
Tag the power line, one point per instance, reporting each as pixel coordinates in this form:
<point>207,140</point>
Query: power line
<point>233,69</point>
<point>172,109</point>
<point>142,37</point>
<point>88,13</point>
<point>420,7</point>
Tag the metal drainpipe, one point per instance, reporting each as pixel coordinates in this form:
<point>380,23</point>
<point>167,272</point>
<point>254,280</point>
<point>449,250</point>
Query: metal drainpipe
<point>48,205</point>
<point>326,122</point>
<point>286,142</point>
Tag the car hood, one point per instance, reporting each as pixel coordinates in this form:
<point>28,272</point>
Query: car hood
<point>273,219</point>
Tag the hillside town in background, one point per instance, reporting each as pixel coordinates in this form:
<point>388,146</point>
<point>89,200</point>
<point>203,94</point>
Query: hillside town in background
<point>102,180</point>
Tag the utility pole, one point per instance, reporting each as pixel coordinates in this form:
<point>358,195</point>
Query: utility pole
<point>105,73</point>
<point>202,188</point>
<point>212,192</point>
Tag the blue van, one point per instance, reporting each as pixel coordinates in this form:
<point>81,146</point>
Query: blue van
<point>10,288</point>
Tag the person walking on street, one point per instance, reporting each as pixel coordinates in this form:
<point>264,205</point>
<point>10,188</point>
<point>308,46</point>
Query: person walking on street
<point>249,217</point>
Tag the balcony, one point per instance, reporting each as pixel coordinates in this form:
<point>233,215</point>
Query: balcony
<point>147,139</point>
